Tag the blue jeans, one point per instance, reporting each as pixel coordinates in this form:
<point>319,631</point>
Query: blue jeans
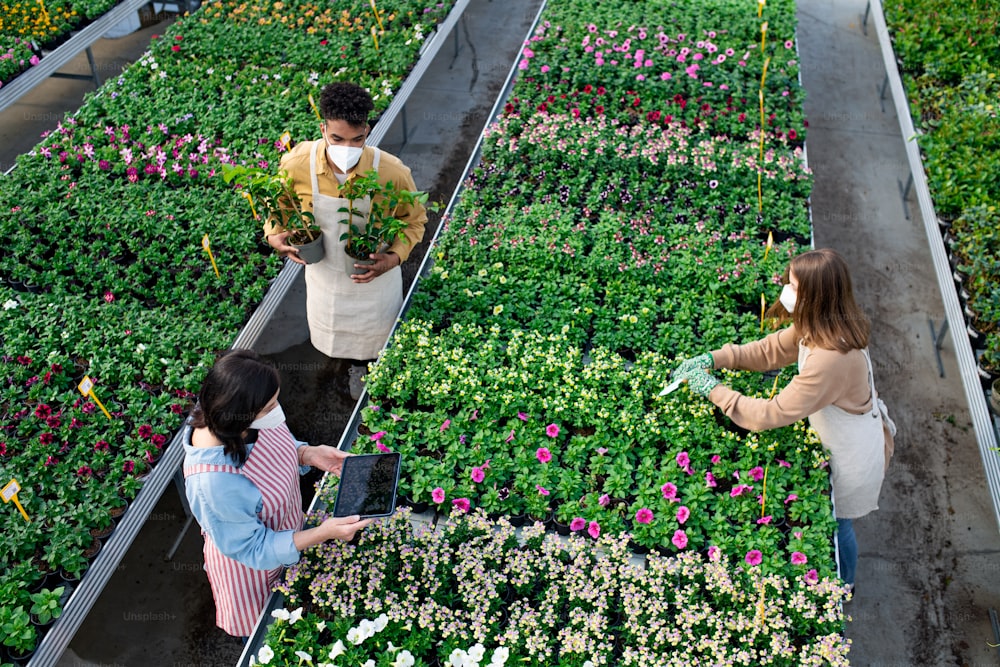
<point>847,550</point>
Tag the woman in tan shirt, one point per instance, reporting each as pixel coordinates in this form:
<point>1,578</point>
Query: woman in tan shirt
<point>834,387</point>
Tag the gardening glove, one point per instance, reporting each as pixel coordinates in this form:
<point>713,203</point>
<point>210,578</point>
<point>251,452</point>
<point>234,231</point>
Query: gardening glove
<point>702,361</point>
<point>700,381</point>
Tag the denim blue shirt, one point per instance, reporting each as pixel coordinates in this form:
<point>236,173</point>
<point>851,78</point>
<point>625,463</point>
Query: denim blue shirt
<point>226,507</point>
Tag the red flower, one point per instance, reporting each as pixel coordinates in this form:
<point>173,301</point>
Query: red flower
<point>588,88</point>
<point>177,408</point>
<point>599,110</point>
<point>635,102</point>
<point>101,446</point>
<point>508,108</point>
<point>50,461</point>
<point>175,47</point>
<point>742,117</point>
<point>601,90</point>
<point>128,466</point>
<point>323,42</point>
<point>792,134</point>
<point>3,448</point>
<point>43,411</point>
<point>46,438</point>
<point>145,431</point>
<point>84,471</point>
<point>23,360</point>
<point>158,440</point>
<point>53,422</point>
<point>653,116</point>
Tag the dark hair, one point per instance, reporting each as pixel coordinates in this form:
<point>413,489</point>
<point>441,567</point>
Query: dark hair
<point>346,101</point>
<point>234,392</point>
<point>825,311</point>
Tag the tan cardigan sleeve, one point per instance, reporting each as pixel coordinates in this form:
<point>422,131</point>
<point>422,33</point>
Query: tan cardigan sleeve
<point>820,383</point>
<point>776,350</point>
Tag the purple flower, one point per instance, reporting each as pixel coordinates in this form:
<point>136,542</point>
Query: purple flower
<point>644,515</point>
<point>753,557</point>
<point>683,513</point>
<point>578,523</point>
<point>680,539</point>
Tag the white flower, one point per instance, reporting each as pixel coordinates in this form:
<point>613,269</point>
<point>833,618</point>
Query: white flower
<point>589,664</point>
<point>367,628</point>
<point>265,654</point>
<point>370,663</point>
<point>9,303</point>
<point>140,348</point>
<point>457,658</point>
<point>391,648</point>
<point>295,615</point>
<point>338,650</point>
<point>381,622</point>
<point>321,626</point>
<point>477,652</point>
<point>304,656</point>
<point>355,636</point>
<point>404,659</point>
<point>280,614</point>
<point>500,655</point>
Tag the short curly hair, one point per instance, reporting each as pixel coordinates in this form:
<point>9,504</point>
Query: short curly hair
<point>346,101</point>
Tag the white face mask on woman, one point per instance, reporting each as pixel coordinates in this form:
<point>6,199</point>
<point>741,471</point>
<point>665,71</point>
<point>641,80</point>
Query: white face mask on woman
<point>345,157</point>
<point>787,298</point>
<point>272,419</point>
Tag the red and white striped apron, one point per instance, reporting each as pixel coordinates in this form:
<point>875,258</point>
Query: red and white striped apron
<point>241,592</point>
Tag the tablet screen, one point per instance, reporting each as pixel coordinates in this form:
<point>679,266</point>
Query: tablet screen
<point>368,485</point>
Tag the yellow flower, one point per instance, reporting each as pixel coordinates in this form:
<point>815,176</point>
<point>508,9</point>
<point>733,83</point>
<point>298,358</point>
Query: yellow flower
<point>497,309</point>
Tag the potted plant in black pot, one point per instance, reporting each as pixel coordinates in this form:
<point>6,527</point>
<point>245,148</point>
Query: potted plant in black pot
<point>372,228</point>
<point>273,197</point>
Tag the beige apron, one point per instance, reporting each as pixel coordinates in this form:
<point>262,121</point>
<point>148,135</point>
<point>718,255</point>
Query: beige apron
<point>857,450</point>
<point>347,320</point>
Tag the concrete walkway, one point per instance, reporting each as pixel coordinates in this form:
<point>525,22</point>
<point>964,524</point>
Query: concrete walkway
<point>930,556</point>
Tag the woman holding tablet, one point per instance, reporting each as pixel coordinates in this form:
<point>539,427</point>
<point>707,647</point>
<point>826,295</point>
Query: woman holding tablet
<point>241,470</point>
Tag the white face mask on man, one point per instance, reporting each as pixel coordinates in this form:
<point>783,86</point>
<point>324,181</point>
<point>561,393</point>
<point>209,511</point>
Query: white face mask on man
<point>787,298</point>
<point>345,157</point>
<point>272,419</point>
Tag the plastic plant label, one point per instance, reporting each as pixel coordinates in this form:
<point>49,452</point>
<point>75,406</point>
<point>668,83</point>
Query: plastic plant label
<point>86,385</point>
<point>205,244</point>
<point>208,248</point>
<point>9,493</point>
<point>286,139</point>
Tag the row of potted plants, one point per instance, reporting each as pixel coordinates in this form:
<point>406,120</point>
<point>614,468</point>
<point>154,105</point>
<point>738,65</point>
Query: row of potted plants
<point>107,274</point>
<point>475,592</point>
<point>951,70</point>
<point>595,244</point>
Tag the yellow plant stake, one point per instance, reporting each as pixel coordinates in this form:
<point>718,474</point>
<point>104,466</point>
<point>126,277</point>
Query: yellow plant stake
<point>86,388</point>
<point>249,198</point>
<point>763,305</point>
<point>763,37</point>
<point>774,387</point>
<point>760,7</point>
<point>9,493</point>
<point>208,248</point>
<point>312,103</point>
<point>377,17</point>
<point>767,249</point>
<point>375,37</point>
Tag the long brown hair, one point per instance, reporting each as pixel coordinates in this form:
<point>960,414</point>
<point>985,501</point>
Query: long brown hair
<point>236,389</point>
<point>826,313</point>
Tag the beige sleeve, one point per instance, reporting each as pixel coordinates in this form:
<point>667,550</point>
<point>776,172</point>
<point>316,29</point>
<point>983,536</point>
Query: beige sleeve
<point>414,216</point>
<point>819,385</point>
<point>776,350</point>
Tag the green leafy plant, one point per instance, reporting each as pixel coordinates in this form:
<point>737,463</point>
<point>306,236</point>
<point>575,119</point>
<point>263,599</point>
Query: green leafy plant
<point>273,197</point>
<point>376,230</point>
<point>15,625</point>
<point>47,604</point>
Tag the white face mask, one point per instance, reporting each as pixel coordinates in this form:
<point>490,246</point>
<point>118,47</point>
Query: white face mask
<point>345,157</point>
<point>787,298</point>
<point>272,419</point>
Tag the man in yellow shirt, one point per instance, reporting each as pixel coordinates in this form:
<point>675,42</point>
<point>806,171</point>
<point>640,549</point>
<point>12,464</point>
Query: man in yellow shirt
<point>350,316</point>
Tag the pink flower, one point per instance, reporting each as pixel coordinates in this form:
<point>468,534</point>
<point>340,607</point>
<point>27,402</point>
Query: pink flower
<point>510,437</point>
<point>710,480</point>
<point>669,491</point>
<point>542,490</point>
<point>683,460</point>
<point>545,68</point>
<point>754,557</point>
<point>683,513</point>
<point>602,450</point>
<point>604,500</point>
<point>109,296</point>
<point>528,53</point>
<point>811,577</point>
<point>799,558</point>
<point>790,498</point>
<point>382,448</point>
<point>552,430</point>
<point>714,554</point>
<point>437,495</point>
<point>478,475</point>
<point>716,458</point>
<point>784,464</point>
<point>445,425</point>
<point>474,416</point>
<point>579,523</point>
<point>377,436</point>
<point>523,417</point>
<point>692,70</point>
<point>644,515</point>
<point>543,455</point>
<point>680,539</point>
<point>395,417</point>
<point>764,520</point>
<point>594,529</point>
<point>738,490</point>
<point>461,503</point>
<point>665,76</point>
<point>757,474</point>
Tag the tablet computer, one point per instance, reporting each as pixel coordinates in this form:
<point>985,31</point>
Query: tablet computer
<point>368,485</point>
